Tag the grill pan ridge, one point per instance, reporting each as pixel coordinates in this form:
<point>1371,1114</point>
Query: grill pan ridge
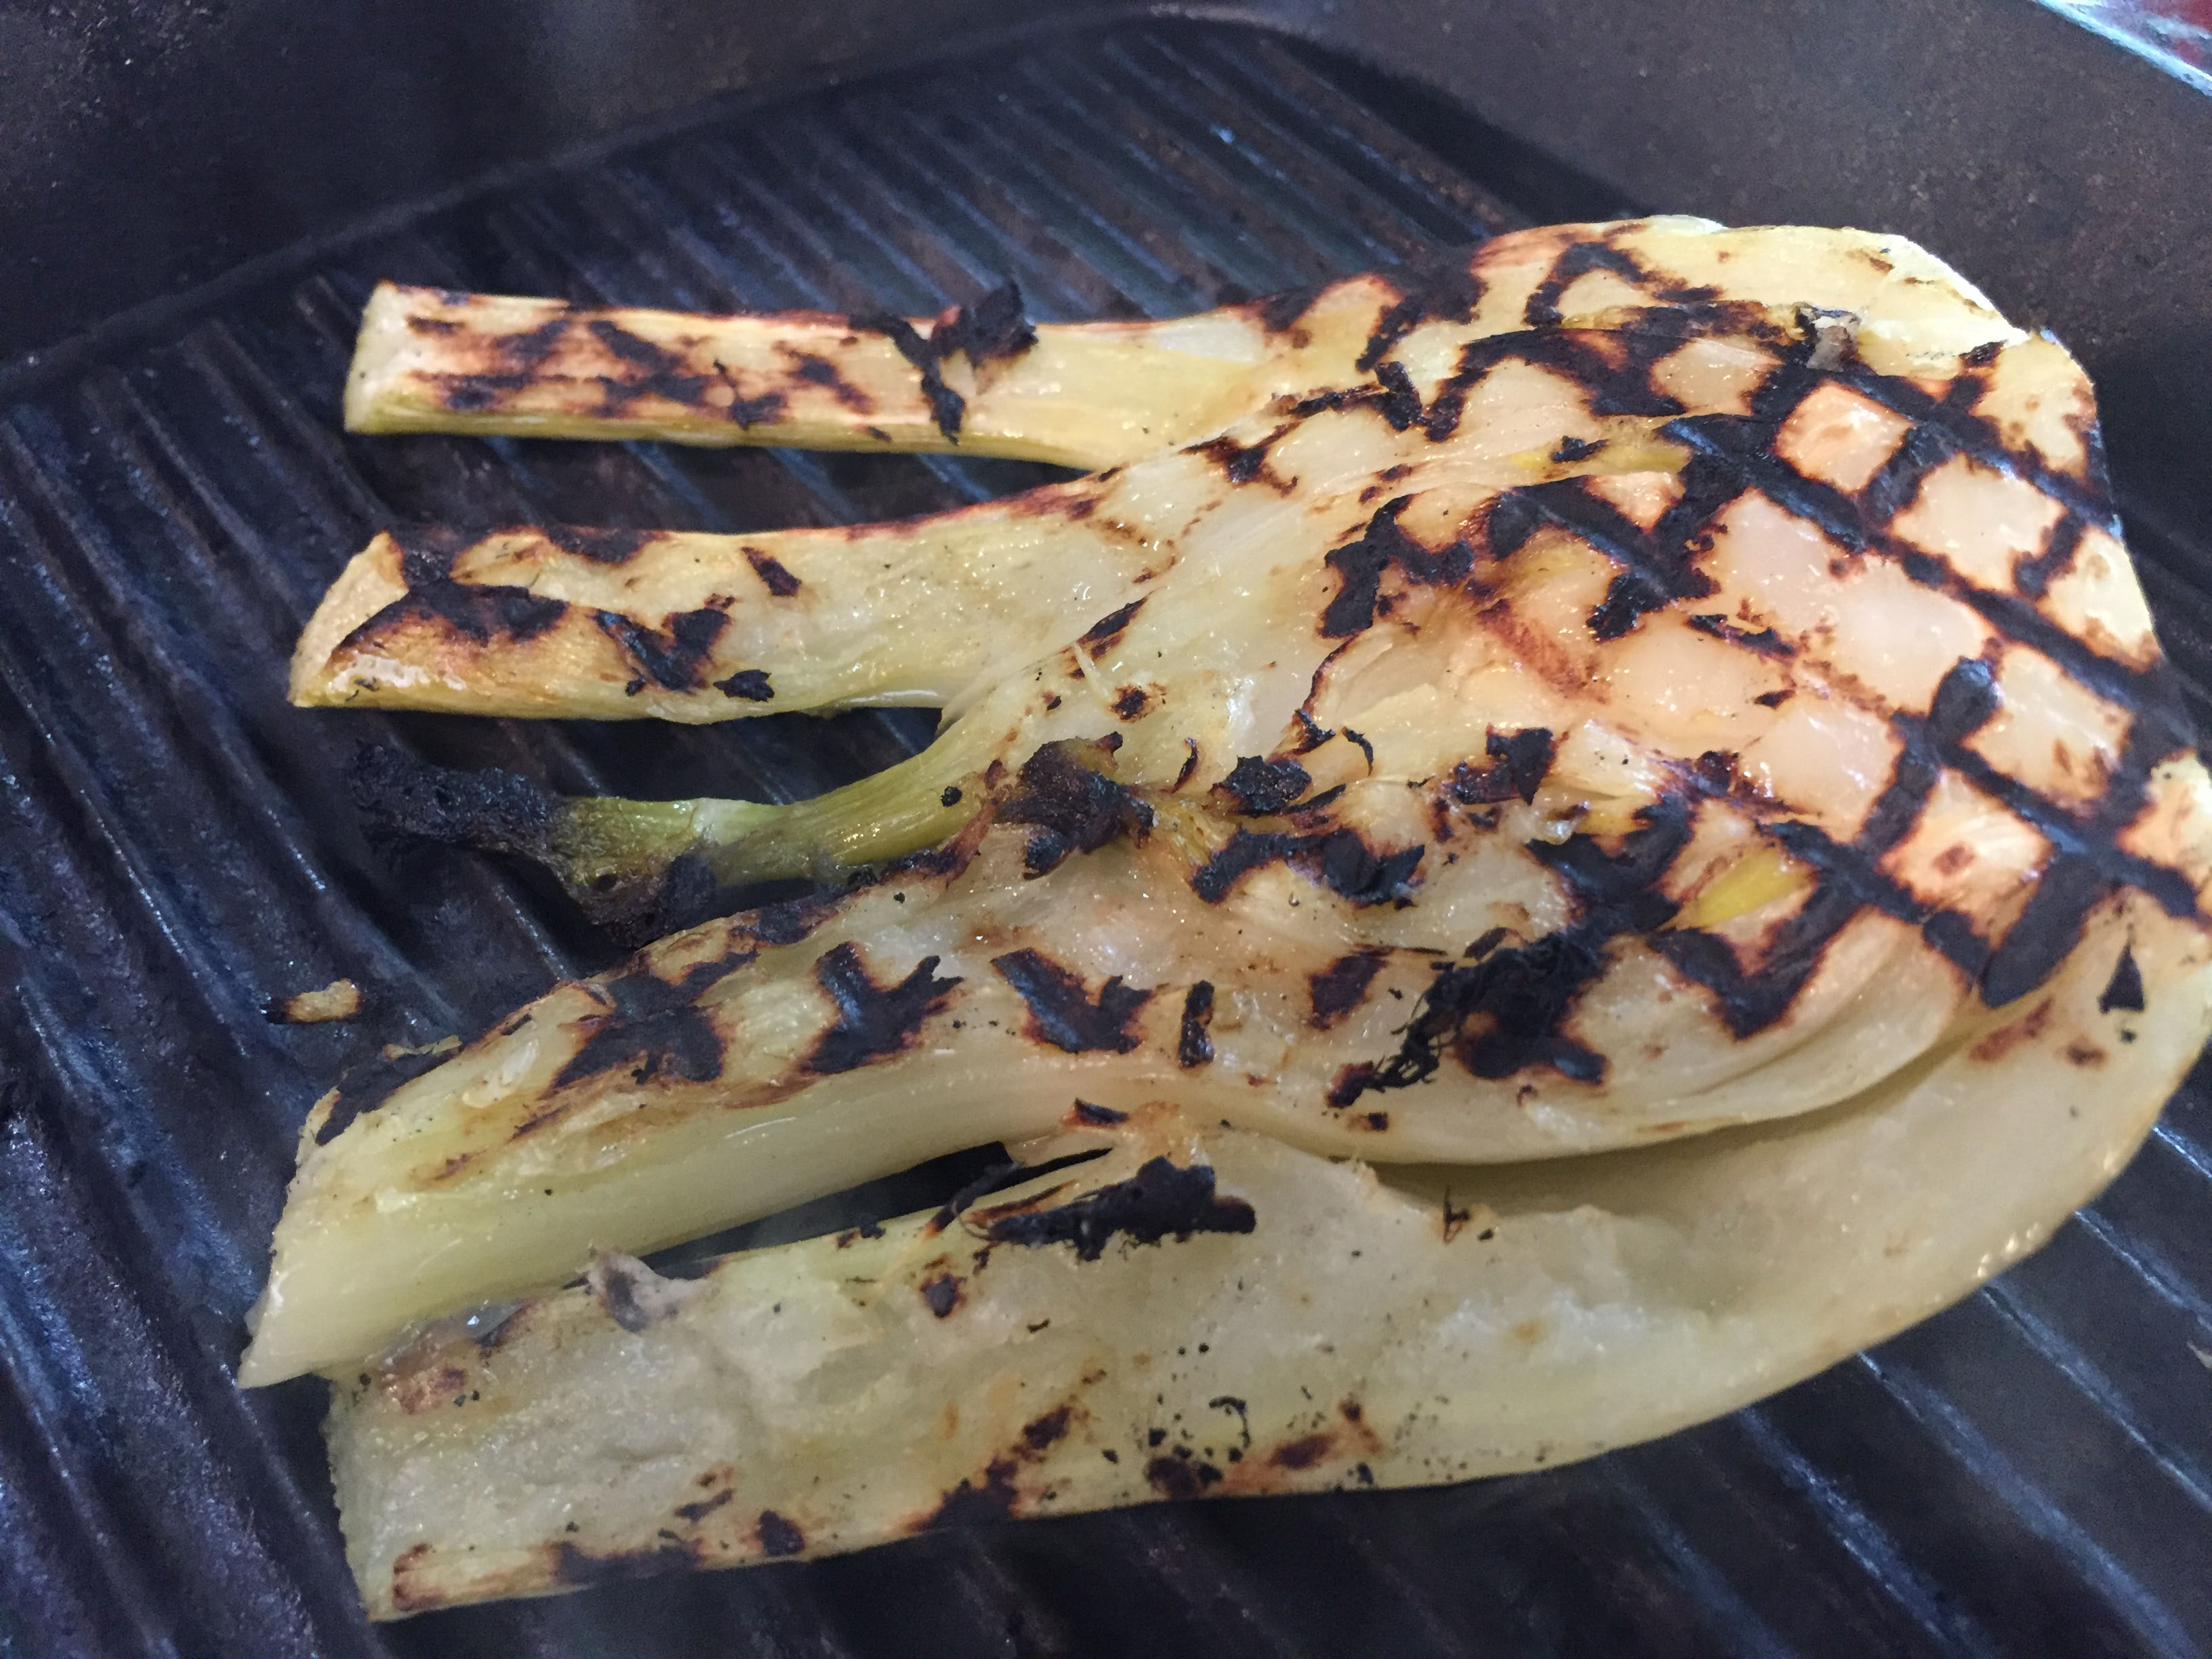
<point>2030,1472</point>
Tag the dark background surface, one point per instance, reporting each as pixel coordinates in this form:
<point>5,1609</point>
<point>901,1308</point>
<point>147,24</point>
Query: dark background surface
<point>2029,1474</point>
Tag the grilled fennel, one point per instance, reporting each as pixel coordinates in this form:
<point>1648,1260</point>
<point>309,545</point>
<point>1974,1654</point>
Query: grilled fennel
<point>1680,680</point>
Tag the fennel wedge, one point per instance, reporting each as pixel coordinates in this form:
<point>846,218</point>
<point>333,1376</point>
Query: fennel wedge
<point>1539,831</point>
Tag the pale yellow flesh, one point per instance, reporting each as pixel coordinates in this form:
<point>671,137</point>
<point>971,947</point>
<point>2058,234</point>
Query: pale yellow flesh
<point>1430,1326</point>
<point>489,1176</point>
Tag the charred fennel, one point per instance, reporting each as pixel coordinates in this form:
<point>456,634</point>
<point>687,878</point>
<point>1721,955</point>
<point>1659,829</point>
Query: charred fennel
<point>1631,701</point>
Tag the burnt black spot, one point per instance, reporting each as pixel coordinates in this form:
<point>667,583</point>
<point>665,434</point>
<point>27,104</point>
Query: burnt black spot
<point>1445,290</point>
<point>1163,1199</point>
<point>478,613</point>
<point>1775,699</point>
<point>1399,403</point>
<point>1240,463</point>
<point>873,1021</point>
<point>705,1507</point>
<point>1339,859</point>
<point>750,412</point>
<point>1277,312</point>
<point>519,355</point>
<point>1108,628</point>
<point>1194,1048</point>
<point>1129,701</point>
<point>654,1027</point>
<point>1062,1010</point>
<point>1519,762</point>
<point>1180,1477</point>
<point>1362,744</point>
<point>1042,1431</point>
<point>670,656</point>
<point>366,1086</point>
<point>777,1535</point>
<point>1502,1013</point>
<point>600,546</point>
<point>990,1498</point>
<point>1576,449</point>
<point>1339,988</point>
<point>995,326</point>
<point>820,371</point>
<point>1303,1452</point>
<point>572,1566</point>
<point>950,796</point>
<point>751,684</point>
<point>2125,987</point>
<point>1070,808</point>
<point>1360,564</point>
<point>942,1294</point>
<point>1102,1115</point>
<point>1262,785</point>
<point>492,809</point>
<point>623,1288</point>
<point>1765,641</point>
<point>780,582</point>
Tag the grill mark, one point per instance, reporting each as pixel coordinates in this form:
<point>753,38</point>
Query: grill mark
<point>1102,633</point>
<point>1360,565</point>
<point>1241,464</point>
<point>1851,879</point>
<point>1501,1013</point>
<point>1062,1010</point>
<point>1070,808</point>
<point>1519,763</point>
<point>2033,576</point>
<point>874,1022</point>
<point>521,354</point>
<point>996,326</point>
<point>476,613</point>
<point>1765,641</point>
<point>1446,290</point>
<point>655,1026</point>
<point>751,684</point>
<point>1339,859</point>
<point>1578,259</point>
<point>600,546</point>
<point>1658,565</point>
<point>1163,1199</point>
<point>660,372</point>
<point>1281,312</point>
<point>780,582</point>
<point>820,371</point>
<point>671,657</point>
<point>1260,786</point>
<point>1341,987</point>
<point>1194,1048</point>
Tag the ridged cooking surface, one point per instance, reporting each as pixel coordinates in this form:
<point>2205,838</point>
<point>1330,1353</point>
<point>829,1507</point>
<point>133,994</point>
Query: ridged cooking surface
<point>2031,1473</point>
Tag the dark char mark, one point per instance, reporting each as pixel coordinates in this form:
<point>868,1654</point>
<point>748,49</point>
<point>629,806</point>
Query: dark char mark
<point>777,1535</point>
<point>1241,464</point>
<point>1578,259</point>
<point>1501,1013</point>
<point>366,1086</point>
<point>780,582</point>
<point>1161,1200</point>
<point>1180,1475</point>
<point>748,683</point>
<point>1445,289</point>
<point>670,657</point>
<point>873,1021</point>
<point>654,1027</point>
<point>1279,312</point>
<point>600,546</point>
<point>1262,786</point>
<point>1194,1048</point>
<point>1341,987</point>
<point>1519,762</point>
<point>995,326</point>
<point>478,613</point>
<point>971,1502</point>
<point>1069,808</point>
<point>2125,988</point>
<point>1613,367</point>
<point>520,355</point>
<point>1765,641</point>
<point>1339,858</point>
<point>659,371</point>
<point>1061,1011</point>
<point>820,371</point>
<point>1851,878</point>
<point>491,810</point>
<point>1360,564</point>
<point>1109,627</point>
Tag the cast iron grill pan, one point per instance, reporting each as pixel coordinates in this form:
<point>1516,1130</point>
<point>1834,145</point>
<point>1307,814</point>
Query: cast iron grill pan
<point>2031,1473</point>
